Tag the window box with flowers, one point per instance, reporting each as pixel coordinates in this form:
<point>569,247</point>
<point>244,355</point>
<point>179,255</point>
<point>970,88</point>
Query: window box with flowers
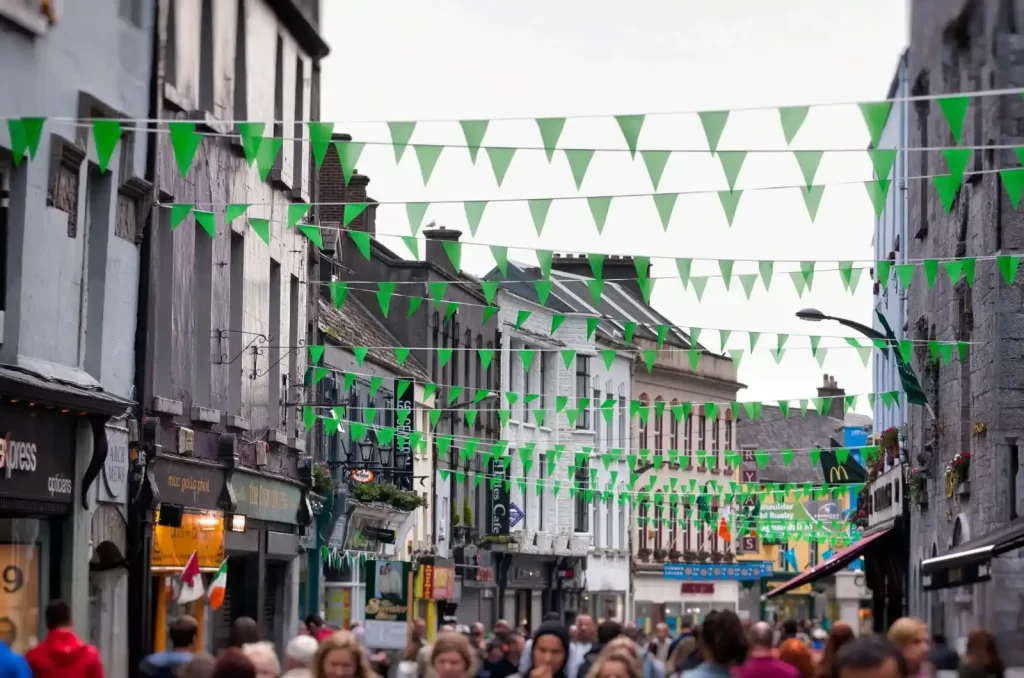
<point>323,480</point>
<point>958,475</point>
<point>644,554</point>
<point>918,485</point>
<point>674,555</point>
<point>891,442</point>
<point>660,555</point>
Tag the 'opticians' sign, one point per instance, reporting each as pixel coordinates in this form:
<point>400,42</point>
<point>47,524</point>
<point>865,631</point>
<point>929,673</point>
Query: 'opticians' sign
<point>37,452</point>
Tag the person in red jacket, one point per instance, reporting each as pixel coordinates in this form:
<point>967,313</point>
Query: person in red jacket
<point>63,654</point>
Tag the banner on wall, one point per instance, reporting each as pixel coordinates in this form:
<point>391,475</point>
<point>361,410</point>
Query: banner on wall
<point>387,603</point>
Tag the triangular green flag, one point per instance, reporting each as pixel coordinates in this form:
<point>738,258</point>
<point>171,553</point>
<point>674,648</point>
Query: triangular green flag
<point>262,228</point>
<point>954,269</point>
<point>360,354</point>
<point>539,211</point>
<point>747,280</point>
<point>543,288</point>
<point>736,355</point>
<point>596,261</point>
<point>267,156</point>
<point>361,239</point>
<point>725,266</point>
<point>385,290</point>
<point>599,210</point>
<point>655,162</point>
<point>312,231</point>
<point>178,213</point>
<point>955,110</point>
<point>489,288</point>
<point>348,156</point>
<point>316,353</point>
<point>753,337</point>
<point>882,160</point>
<point>766,268</point>
<point>877,192</point>
<point>412,244</point>
<point>308,416</point>
<point>1008,267</point>
<point>453,248</point>
<point>683,267</point>
<point>233,211</point>
<point>713,123</point>
<point>905,274</point>
<point>808,162</point>
<point>630,126</point>
<point>556,321</point>
<point>526,356</point>
<point>105,135</point>
<point>296,212</point>
<point>474,213</point>
<point>957,160</point>
<point>807,273</point>
<point>812,199</point>
<point>608,355</point>
<point>732,163</point>
<point>338,290</point>
<point>352,211</point>
<point>579,160</point>
<point>474,131</point>
<point>568,355</point>
<point>875,116</point>
<point>415,213</point>
<point>501,159</point>
<point>596,288</point>
<point>699,283</point>
<point>947,186</point>
<point>427,155</point>
<point>665,203</point>
<point>401,133</point>
<point>730,201</point>
<point>184,143</point>
<point>1013,182</point>
<point>486,355</point>
<point>649,357</point>
<point>437,290</point>
<point>500,255</point>
<point>550,131</point>
<point>521,318</point>
<point>25,136</point>
<point>792,118</point>
<point>544,260</point>
<point>883,267</point>
<point>646,288</point>
<point>592,323</point>
<point>320,139</point>
<point>251,135</point>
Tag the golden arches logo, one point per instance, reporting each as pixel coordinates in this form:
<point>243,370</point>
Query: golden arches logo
<point>837,473</point>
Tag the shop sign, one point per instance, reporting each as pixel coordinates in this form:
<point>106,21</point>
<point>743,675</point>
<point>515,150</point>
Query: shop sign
<point>115,466</point>
<point>751,570</point>
<point>387,603</point>
<point>267,499</point>
<point>497,501</point>
<point>338,606</point>
<point>37,453</point>
<point>362,475</point>
<point>200,533</point>
<point>439,581</point>
<point>19,596</point>
<point>407,401</point>
<point>697,588</point>
<point>192,485</point>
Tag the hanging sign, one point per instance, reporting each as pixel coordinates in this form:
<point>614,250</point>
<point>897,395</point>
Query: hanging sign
<point>362,475</point>
<point>387,604</point>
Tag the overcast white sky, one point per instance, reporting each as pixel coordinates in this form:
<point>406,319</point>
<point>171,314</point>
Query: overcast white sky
<point>464,59</point>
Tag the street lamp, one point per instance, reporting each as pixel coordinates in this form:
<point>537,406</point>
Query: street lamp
<point>814,315</point>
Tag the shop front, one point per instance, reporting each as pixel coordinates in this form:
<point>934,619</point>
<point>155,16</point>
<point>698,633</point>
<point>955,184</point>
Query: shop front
<point>607,578</point>
<point>530,591</point>
<point>37,453</point>
<point>433,590</point>
<point>476,583</point>
<point>692,590</point>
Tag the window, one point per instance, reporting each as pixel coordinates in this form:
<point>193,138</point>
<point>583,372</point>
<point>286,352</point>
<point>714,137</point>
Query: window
<point>237,285</point>
<point>202,299</point>
<point>206,28</point>
<point>274,384</point>
<point>686,535</point>
<point>608,528</point>
<point>597,520</point>
<point>171,46</point>
<point>657,527</point>
<point>623,429</point>
<point>293,340</point>
<point>728,432</point>
<point>702,436</point>
<point>434,333</point>
<point>444,369</point>
<point>131,10</point>
<point>5,205</point>
<point>623,516</point>
<point>699,529</point>
<point>812,553</point>
<point>674,543</point>
<point>279,90</point>
<point>527,381</point>
<point>609,432</point>
<point>298,157</point>
<point>542,383</point>
<point>673,428</point>
<point>479,365</point>
<point>468,383</point>
<point>582,523</point>
<point>541,471</point>
<point>582,389</point>
<point>642,523</point>
<point>716,451</point>
<point>643,425</point>
<point>596,403</point>
<point>659,429</point>
<point>240,97</point>
<point>455,356</point>
<point>688,435</point>
<point>490,379</point>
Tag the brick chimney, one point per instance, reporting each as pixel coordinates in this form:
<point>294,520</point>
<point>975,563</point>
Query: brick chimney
<point>435,249</point>
<point>830,389</point>
<point>618,268</point>
<point>334,190</point>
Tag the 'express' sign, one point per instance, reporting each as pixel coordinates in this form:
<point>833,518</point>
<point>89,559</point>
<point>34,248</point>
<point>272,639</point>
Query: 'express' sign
<point>37,456</point>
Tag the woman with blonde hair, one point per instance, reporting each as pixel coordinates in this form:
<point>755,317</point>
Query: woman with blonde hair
<point>982,658</point>
<point>341,655</point>
<point>840,635</point>
<point>911,636</point>
<point>453,656</point>
<point>264,658</point>
<point>616,662</point>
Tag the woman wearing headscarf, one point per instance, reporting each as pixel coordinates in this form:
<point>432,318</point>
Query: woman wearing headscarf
<point>549,653</point>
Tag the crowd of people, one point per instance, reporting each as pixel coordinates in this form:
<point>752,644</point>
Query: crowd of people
<point>721,646</point>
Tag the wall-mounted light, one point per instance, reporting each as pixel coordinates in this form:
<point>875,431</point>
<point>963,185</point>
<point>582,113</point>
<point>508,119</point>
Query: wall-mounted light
<point>237,522</point>
<point>207,522</point>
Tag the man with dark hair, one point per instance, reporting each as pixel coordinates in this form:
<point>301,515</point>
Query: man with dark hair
<point>870,657</point>
<point>62,654</point>
<point>183,645</point>
<point>941,656</point>
<point>607,631</point>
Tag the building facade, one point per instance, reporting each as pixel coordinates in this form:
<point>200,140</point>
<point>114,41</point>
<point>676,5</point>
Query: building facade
<point>225,319</point>
<point>71,231</point>
<point>963,46</point>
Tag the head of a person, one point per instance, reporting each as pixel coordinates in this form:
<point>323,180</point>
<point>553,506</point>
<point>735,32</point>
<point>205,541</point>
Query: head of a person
<point>515,642</point>
<point>447,628</point>
<point>686,624</point>
<point>607,631</point>
<point>58,615</point>
<point>341,655</point>
<point>300,653</point>
<point>495,650</point>
<point>684,648</point>
<point>661,631</point>
<point>264,658</point>
<point>841,634</point>
<point>502,626</point>
<point>314,623</point>
<point>232,663</point>
<point>244,630</point>
<point>183,633</point>
<point>551,647</point>
<point>911,636</point>
<point>623,644</point>
<point>453,656</point>
<point>795,652</point>
<point>477,630</point>
<point>586,630</point>
<point>630,630</point>
<point>722,639</point>
<point>870,657</point>
<point>762,639</point>
<point>790,627</point>
<point>982,653</point>
<point>616,664</point>
<point>200,666</point>
<point>551,617</point>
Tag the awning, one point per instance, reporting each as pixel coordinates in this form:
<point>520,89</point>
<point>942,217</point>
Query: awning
<point>972,562</point>
<point>830,566</point>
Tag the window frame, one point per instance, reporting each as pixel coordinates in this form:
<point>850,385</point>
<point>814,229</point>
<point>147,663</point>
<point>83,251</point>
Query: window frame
<point>582,387</point>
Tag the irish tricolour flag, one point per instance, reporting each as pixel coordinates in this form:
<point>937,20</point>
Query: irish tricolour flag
<point>217,586</point>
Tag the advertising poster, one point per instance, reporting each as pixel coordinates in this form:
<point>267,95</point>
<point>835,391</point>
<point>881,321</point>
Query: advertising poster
<point>387,604</point>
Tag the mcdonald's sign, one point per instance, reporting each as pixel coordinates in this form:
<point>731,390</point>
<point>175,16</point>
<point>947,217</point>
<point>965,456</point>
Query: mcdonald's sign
<point>838,474</point>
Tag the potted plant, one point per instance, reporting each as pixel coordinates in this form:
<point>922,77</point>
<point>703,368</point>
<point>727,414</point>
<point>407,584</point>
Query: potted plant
<point>323,481</point>
<point>958,472</point>
<point>689,556</point>
<point>861,518</point>
<point>674,554</point>
<point>917,483</point>
<point>644,554</point>
<point>467,514</point>
<point>716,557</point>
<point>702,556</point>
<point>660,555</point>
<point>728,556</point>
<point>891,442</point>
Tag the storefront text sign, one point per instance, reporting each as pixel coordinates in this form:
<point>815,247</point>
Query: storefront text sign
<point>199,533</point>
<point>37,452</point>
<point>115,466</point>
<point>266,498</point>
<point>192,485</point>
<point>747,571</point>
<point>387,601</point>
<point>19,596</point>
<point>438,582</point>
<point>697,589</point>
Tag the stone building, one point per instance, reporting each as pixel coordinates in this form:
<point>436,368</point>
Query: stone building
<point>70,237</point>
<point>964,46</point>
<point>225,318</point>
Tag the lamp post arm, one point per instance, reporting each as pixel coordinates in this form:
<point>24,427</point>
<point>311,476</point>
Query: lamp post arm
<point>869,332</point>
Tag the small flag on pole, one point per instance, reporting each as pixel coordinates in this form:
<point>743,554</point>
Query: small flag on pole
<point>723,525</point>
<point>218,586</point>
<point>191,581</point>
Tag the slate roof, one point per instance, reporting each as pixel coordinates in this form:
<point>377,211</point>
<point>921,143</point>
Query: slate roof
<point>570,294</point>
<point>775,432</point>
<point>354,325</point>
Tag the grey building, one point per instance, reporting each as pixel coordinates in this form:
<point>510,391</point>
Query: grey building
<point>959,46</point>
<point>70,251</point>
<point>226,315</point>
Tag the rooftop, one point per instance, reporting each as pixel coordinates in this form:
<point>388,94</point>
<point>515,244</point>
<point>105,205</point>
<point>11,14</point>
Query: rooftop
<point>354,325</point>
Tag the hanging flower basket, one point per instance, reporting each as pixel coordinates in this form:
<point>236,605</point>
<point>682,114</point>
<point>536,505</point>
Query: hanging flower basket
<point>891,442</point>
<point>957,474</point>
<point>917,483</point>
